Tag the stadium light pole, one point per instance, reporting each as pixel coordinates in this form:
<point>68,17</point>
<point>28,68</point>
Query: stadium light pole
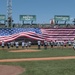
<point>9,13</point>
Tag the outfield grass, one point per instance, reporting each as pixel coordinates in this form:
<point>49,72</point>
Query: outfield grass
<point>61,67</point>
<point>52,52</point>
<point>53,67</point>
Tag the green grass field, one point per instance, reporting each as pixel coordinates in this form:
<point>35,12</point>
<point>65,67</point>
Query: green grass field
<point>52,67</point>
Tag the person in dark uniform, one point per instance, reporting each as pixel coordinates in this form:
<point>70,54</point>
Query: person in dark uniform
<point>8,45</point>
<point>51,43</point>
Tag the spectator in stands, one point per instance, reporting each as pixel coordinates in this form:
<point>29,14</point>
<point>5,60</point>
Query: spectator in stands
<point>39,44</point>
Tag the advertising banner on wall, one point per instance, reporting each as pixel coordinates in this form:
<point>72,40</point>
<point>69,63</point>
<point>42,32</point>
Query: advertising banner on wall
<point>61,18</point>
<point>27,17</point>
<point>2,17</point>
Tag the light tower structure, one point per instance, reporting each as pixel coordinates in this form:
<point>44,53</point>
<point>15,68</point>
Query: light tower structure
<point>9,13</point>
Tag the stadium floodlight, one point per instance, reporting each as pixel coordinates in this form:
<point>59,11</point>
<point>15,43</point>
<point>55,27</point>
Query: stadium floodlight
<point>9,13</point>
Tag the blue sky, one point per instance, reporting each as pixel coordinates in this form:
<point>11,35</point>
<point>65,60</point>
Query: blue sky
<point>43,9</point>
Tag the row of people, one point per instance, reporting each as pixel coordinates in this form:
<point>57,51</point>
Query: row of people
<point>45,43</point>
<point>54,43</point>
<point>12,44</point>
<point>26,44</point>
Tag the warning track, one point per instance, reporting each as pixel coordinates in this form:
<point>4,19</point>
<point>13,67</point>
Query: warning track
<point>37,59</point>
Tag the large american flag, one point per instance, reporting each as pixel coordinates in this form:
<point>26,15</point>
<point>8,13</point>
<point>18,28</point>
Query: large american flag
<point>9,34</point>
<point>58,34</point>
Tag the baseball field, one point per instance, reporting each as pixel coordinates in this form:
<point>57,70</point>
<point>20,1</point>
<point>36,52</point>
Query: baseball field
<point>31,61</point>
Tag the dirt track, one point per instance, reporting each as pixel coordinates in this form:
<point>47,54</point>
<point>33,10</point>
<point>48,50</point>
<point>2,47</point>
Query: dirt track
<point>37,59</point>
<point>10,70</point>
<point>34,59</point>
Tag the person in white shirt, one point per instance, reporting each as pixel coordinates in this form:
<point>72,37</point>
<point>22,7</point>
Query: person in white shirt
<point>39,44</point>
<point>23,44</point>
<point>17,44</point>
<point>12,44</point>
<point>26,44</point>
<point>45,44</point>
<point>74,44</point>
<point>29,43</point>
<point>69,42</point>
<point>2,44</point>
